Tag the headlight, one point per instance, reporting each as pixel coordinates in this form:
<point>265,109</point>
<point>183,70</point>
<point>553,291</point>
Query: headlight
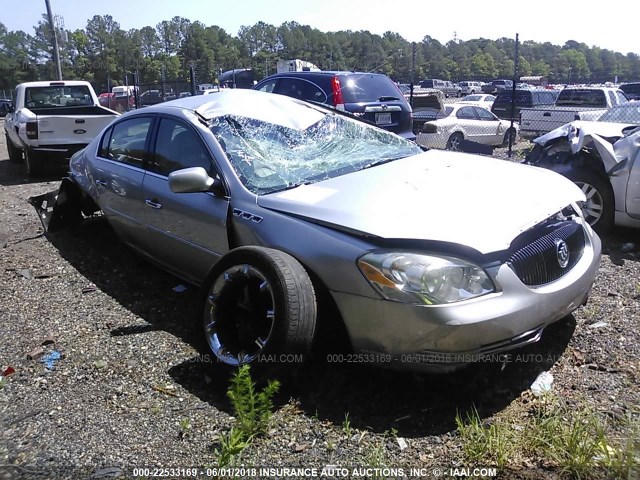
<point>424,279</point>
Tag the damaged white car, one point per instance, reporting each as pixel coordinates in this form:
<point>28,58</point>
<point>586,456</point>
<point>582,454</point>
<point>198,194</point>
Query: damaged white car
<point>602,159</point>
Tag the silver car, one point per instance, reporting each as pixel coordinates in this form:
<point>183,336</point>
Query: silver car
<point>434,259</point>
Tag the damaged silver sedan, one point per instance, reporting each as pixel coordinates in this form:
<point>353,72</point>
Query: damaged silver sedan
<point>603,159</point>
<point>433,259</point>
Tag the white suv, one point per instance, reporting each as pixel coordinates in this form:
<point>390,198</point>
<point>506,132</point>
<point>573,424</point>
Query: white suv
<point>470,87</point>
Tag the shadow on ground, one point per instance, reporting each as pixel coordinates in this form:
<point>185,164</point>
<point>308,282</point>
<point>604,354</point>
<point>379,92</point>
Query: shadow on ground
<point>376,399</point>
<point>16,174</point>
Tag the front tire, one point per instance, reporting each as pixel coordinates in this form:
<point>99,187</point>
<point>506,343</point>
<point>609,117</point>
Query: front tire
<point>259,309</point>
<point>599,209</point>
<point>34,164</point>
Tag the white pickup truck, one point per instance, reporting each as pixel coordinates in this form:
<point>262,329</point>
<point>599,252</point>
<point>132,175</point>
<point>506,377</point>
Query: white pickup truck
<point>50,121</point>
<point>573,103</point>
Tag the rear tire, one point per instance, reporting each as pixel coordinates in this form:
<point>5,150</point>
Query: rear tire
<point>259,309</point>
<point>15,154</point>
<point>455,141</point>
<point>34,163</point>
<point>599,209</point>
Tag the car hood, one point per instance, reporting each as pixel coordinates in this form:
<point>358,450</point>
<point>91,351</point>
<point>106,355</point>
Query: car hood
<point>479,202</point>
<point>580,128</point>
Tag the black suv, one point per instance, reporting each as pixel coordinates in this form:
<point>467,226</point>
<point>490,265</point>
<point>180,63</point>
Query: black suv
<point>632,90</point>
<point>5,106</point>
<point>371,96</point>
<point>496,86</point>
<point>522,99</point>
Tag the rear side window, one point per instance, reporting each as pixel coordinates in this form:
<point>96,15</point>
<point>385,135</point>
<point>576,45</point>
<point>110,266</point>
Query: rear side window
<point>592,98</point>
<point>268,86</point>
<point>467,113</point>
<point>368,88</point>
<point>522,98</point>
<point>126,141</point>
<point>631,88</point>
<point>300,89</point>
<point>57,96</point>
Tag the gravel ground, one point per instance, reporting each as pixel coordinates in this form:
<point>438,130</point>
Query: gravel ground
<point>131,388</point>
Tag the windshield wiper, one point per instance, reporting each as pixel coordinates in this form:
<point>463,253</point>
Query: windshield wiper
<point>381,162</point>
<point>386,98</point>
<point>291,186</point>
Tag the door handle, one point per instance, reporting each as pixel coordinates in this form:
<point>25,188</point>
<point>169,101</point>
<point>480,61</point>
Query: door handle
<point>152,204</point>
<point>101,183</point>
<point>546,114</point>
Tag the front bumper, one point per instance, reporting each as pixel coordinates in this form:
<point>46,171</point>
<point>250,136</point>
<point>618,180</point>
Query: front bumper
<point>446,337</point>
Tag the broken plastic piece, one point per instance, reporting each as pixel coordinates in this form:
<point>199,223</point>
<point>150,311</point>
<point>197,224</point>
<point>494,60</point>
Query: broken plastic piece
<point>542,384</point>
<point>50,359</point>
<point>61,208</point>
<point>35,353</point>
<point>8,371</point>
<point>26,273</point>
<point>180,288</point>
<point>599,324</point>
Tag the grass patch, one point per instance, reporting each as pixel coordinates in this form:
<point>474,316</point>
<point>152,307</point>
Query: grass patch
<point>492,444</point>
<point>346,426</point>
<point>576,441</point>
<point>376,458</point>
<point>252,409</point>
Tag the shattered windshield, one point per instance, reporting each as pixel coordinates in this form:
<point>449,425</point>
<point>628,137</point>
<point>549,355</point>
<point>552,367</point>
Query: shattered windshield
<point>269,157</point>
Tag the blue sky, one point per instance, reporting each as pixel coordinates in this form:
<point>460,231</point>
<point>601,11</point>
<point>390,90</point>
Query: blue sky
<point>608,25</point>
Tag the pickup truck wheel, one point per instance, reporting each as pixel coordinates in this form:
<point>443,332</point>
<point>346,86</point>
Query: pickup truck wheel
<point>599,208</point>
<point>259,304</point>
<point>34,163</point>
<point>454,142</point>
<point>15,155</point>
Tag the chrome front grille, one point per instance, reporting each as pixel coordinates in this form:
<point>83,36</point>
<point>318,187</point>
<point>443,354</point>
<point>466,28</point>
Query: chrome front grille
<point>539,262</point>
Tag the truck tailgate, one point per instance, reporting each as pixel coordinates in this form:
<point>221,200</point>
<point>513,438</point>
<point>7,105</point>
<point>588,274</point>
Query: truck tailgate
<point>70,129</point>
<point>536,121</point>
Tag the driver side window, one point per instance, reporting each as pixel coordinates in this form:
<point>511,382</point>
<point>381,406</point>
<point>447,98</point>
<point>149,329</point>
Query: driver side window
<point>178,146</point>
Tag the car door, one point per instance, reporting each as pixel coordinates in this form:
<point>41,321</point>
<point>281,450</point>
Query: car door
<point>491,128</point>
<point>633,188</point>
<point>117,173</point>
<point>187,232</point>
<point>469,122</point>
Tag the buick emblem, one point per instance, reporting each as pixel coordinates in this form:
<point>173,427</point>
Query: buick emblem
<point>562,252</point>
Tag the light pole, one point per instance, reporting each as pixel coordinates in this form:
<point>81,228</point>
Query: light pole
<point>56,53</point>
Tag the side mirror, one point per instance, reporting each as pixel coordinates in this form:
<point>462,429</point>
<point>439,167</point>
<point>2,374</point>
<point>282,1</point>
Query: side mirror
<point>194,179</point>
